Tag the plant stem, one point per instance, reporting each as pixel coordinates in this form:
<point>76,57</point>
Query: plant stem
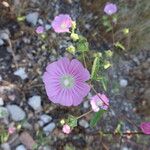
<point>84,114</point>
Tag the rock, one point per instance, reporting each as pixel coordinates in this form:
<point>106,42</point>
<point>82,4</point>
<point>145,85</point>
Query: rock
<point>1,102</point>
<point>16,112</point>
<point>1,42</point>
<point>123,82</point>
<point>49,128</point>
<point>5,146</point>
<point>86,104</point>
<point>83,123</point>
<point>47,27</point>
<point>35,102</point>
<point>40,21</point>
<point>41,123</point>
<point>1,78</point>
<point>21,73</point>
<point>4,36</point>
<point>45,118</point>
<point>32,18</point>
<point>147,94</point>
<point>27,140</point>
<point>3,113</point>
<point>21,147</point>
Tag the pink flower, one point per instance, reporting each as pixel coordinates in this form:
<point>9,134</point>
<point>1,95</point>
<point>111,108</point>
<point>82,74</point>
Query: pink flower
<point>145,127</point>
<point>11,130</point>
<point>40,29</point>
<point>66,129</point>
<point>62,23</point>
<point>65,82</point>
<point>110,8</point>
<point>99,101</point>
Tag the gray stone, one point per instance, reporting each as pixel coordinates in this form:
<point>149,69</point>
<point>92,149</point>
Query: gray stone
<point>123,82</point>
<point>16,112</point>
<point>47,27</point>
<point>86,104</point>
<point>21,147</point>
<point>1,42</point>
<point>21,73</point>
<point>83,123</point>
<point>49,128</point>
<point>5,146</point>
<point>3,112</point>
<point>35,102</point>
<point>32,18</point>
<point>1,101</point>
<point>4,36</point>
<point>45,118</point>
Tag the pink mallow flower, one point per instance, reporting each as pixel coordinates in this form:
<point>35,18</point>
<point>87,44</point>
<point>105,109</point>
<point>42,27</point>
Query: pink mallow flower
<point>99,101</point>
<point>66,129</point>
<point>65,82</point>
<point>110,8</point>
<point>62,23</point>
<point>39,29</point>
<point>11,130</point>
<point>145,127</point>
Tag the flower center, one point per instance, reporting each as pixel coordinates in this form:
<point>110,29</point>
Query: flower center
<point>63,26</point>
<point>67,81</point>
<point>99,103</point>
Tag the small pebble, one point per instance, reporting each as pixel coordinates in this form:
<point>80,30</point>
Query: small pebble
<point>49,128</point>
<point>5,146</point>
<point>35,102</point>
<point>83,123</point>
<point>4,36</point>
<point>86,104</point>
<point>45,118</point>
<point>21,73</point>
<point>1,42</point>
<point>1,101</point>
<point>32,18</point>
<point>1,78</point>
<point>21,147</point>
<point>40,21</point>
<point>123,82</point>
<point>16,112</point>
<point>47,27</point>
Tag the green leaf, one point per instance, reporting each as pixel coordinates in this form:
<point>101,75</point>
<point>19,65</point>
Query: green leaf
<point>72,121</point>
<point>97,116</point>
<point>95,67</point>
<point>107,64</point>
<point>119,45</point>
<point>82,44</point>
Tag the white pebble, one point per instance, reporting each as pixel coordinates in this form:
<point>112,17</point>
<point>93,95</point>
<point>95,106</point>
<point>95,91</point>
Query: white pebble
<point>5,146</point>
<point>49,128</point>
<point>17,113</point>
<point>4,36</point>
<point>1,42</point>
<point>1,101</point>
<point>45,118</point>
<point>32,18</point>
<point>21,73</point>
<point>123,82</point>
<point>47,27</point>
<point>21,147</point>
<point>86,104</point>
<point>83,123</point>
<point>35,102</point>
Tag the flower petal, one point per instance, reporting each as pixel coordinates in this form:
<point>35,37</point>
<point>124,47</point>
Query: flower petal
<point>80,73</point>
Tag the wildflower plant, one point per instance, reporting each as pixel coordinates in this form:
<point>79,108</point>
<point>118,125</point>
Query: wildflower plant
<point>68,82</point>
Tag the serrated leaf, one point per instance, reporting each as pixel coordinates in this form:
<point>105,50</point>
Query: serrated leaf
<point>72,121</point>
<point>97,116</point>
<point>95,67</point>
<point>82,44</point>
